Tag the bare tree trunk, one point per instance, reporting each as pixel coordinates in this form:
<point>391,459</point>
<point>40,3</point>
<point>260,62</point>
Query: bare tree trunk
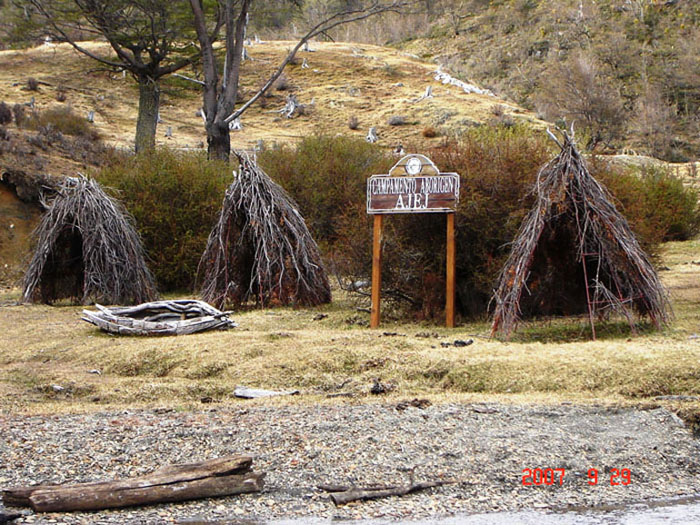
<point>149,101</point>
<point>218,141</point>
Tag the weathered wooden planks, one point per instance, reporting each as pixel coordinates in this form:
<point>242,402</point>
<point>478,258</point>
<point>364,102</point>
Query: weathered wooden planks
<point>178,317</point>
<point>218,477</point>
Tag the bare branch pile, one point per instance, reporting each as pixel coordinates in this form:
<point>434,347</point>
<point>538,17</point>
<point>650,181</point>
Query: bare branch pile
<point>260,249</point>
<point>176,317</point>
<point>572,209</point>
<point>87,250</point>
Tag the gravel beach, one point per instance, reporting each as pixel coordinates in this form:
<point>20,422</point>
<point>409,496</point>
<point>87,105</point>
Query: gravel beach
<point>484,447</point>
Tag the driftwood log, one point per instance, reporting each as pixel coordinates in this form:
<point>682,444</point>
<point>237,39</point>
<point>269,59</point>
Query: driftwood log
<point>218,477</point>
<point>178,317</point>
<point>8,517</point>
<point>341,494</point>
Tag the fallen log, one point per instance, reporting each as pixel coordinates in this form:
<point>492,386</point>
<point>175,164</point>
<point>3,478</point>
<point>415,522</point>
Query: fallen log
<point>7,518</point>
<point>218,477</point>
<point>366,493</point>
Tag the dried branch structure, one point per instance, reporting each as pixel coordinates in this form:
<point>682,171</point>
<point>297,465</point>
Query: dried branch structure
<point>260,249</point>
<point>87,250</point>
<point>575,237</point>
<point>176,317</point>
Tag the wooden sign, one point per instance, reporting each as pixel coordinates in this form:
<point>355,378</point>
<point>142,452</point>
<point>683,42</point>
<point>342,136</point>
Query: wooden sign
<point>413,185</point>
<point>437,194</point>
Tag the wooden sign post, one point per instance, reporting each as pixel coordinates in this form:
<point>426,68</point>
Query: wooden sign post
<point>413,185</point>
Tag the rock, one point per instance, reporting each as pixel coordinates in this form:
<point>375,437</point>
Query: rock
<point>8,517</point>
<point>415,402</point>
<point>381,388</point>
<point>460,343</point>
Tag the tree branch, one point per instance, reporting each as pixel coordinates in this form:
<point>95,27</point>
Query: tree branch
<point>322,27</point>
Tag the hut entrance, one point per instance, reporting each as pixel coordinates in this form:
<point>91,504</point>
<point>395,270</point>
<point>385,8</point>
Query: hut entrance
<point>63,273</point>
<point>557,281</point>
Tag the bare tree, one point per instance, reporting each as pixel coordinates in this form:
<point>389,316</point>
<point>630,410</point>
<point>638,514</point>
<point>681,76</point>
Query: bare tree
<point>576,91</point>
<point>148,38</point>
<point>221,94</point>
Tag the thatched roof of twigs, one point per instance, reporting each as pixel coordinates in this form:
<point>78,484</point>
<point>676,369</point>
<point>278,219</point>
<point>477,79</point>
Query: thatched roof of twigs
<point>573,213</point>
<point>87,250</point>
<point>260,248</point>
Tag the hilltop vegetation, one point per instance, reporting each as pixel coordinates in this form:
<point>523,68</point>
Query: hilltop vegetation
<point>627,71</point>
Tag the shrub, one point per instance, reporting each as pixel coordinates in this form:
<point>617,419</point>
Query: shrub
<point>656,203</point>
<point>326,176</point>
<point>4,134</point>
<point>5,114</point>
<point>353,122</point>
<point>65,120</point>
<point>498,167</point>
<point>282,83</point>
<point>397,120</point>
<point>18,112</point>
<point>32,84</point>
<point>430,132</point>
<point>61,94</point>
<point>175,198</point>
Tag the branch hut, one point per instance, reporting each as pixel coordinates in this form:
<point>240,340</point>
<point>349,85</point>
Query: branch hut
<point>260,249</point>
<point>575,253</point>
<point>87,250</point>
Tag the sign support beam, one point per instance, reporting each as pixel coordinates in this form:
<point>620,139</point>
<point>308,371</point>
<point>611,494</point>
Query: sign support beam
<point>413,185</point>
<point>450,271</point>
<point>376,271</point>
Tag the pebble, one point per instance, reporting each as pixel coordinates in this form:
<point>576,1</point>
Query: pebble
<point>483,447</point>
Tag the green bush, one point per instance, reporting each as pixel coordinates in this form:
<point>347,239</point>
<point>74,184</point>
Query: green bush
<point>672,205</point>
<point>327,177</point>
<point>657,205</point>
<point>175,198</point>
<point>498,167</point>
<point>65,120</point>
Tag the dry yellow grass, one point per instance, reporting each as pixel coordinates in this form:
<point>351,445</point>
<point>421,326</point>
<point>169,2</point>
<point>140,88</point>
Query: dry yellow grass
<point>43,346</point>
<point>372,83</point>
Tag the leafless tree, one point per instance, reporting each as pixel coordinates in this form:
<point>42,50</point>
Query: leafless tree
<point>148,38</point>
<point>220,94</point>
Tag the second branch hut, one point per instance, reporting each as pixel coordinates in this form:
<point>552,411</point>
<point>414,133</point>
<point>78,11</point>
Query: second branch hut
<point>260,249</point>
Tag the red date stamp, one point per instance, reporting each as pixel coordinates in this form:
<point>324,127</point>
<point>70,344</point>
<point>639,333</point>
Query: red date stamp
<point>555,476</point>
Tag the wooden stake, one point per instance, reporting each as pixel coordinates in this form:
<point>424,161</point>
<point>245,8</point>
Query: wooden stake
<point>376,270</point>
<point>450,292</point>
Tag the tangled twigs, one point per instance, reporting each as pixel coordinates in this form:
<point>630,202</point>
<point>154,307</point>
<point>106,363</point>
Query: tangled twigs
<point>618,274</point>
<point>260,249</point>
<point>87,250</point>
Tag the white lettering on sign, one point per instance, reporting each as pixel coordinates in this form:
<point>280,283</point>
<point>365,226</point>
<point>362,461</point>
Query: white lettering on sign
<point>403,185</point>
<point>437,193</point>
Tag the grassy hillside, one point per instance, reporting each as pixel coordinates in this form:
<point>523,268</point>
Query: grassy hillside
<point>626,70</point>
<point>370,83</point>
